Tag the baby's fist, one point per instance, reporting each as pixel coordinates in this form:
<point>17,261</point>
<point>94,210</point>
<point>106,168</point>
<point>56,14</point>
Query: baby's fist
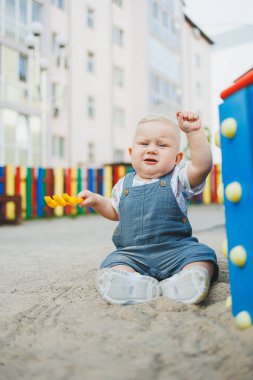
<point>188,121</point>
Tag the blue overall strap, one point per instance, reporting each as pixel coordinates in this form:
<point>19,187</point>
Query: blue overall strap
<point>128,180</point>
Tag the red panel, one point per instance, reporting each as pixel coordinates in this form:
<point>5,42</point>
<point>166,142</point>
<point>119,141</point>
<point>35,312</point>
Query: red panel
<point>49,184</point>
<point>214,184</point>
<point>17,180</point>
<point>67,187</point>
<point>240,83</point>
<point>34,193</point>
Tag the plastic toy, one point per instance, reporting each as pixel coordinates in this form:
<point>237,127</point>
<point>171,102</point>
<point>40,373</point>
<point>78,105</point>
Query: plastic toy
<point>62,200</point>
<point>236,138</point>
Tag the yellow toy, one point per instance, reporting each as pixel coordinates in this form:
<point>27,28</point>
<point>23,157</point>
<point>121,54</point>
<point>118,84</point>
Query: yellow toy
<point>62,200</point>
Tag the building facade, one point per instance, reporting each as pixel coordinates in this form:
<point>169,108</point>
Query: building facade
<point>76,76</point>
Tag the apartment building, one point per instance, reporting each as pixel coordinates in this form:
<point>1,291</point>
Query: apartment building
<point>132,51</point>
<point>196,59</point>
<point>33,79</point>
<point>76,76</point>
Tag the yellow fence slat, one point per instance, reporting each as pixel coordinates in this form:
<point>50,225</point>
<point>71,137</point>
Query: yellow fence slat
<point>108,181</point>
<point>23,171</point>
<point>59,188</point>
<point>10,190</point>
<point>207,193</point>
<point>122,171</point>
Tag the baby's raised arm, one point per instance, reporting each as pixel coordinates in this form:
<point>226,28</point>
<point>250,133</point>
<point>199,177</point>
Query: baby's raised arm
<point>99,203</point>
<point>201,155</point>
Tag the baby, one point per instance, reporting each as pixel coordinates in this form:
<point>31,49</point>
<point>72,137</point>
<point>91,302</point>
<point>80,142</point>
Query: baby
<point>155,251</point>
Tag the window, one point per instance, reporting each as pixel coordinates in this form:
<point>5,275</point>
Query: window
<point>174,26</point>
<point>23,11</point>
<point>118,155</point>
<point>10,28</point>
<point>165,19</point>
<point>90,17</point>
<point>10,9</point>
<point>54,45</point>
<point>119,117</point>
<point>118,76</point>
<point>90,62</point>
<point>155,9</point>
<point>198,90</point>
<point>58,146</point>
<point>119,3</point>
<point>22,68</point>
<point>197,61</point>
<point>59,3</point>
<point>90,107</point>
<point>36,11</point>
<point>155,83</point>
<point>118,36</point>
<point>90,152</point>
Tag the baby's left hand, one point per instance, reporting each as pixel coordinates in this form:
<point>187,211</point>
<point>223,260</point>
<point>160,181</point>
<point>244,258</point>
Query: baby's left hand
<point>188,121</point>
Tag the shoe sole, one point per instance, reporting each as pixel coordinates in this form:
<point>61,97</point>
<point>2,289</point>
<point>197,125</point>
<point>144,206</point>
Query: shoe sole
<point>126,288</point>
<point>188,286</point>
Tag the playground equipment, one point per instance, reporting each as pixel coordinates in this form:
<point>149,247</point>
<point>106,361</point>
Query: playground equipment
<point>236,139</point>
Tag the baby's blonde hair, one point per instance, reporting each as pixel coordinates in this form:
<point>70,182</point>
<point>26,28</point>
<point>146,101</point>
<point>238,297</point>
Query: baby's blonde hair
<point>157,117</point>
<point>163,118</point>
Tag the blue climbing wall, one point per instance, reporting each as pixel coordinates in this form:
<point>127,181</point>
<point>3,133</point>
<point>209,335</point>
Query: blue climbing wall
<point>237,165</point>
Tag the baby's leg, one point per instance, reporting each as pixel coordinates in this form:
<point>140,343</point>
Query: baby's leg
<point>124,267</point>
<point>206,264</point>
<point>191,284</point>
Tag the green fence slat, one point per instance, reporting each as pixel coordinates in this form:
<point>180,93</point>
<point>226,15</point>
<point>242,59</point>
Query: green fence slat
<point>29,193</point>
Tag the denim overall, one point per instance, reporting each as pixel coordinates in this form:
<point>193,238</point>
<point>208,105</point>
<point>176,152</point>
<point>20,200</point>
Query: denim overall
<point>153,236</point>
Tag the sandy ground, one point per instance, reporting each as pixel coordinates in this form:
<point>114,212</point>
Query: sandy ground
<point>54,325</point>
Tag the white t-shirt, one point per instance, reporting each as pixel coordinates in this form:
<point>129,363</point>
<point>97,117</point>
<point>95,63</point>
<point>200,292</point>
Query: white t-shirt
<point>179,184</point>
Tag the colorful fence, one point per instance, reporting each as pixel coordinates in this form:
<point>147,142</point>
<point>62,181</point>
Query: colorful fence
<point>32,184</point>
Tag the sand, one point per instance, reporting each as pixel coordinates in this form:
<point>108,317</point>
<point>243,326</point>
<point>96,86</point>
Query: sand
<point>54,325</point>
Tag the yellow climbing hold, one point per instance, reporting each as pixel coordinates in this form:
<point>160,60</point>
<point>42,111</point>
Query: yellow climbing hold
<point>238,255</point>
<point>229,128</point>
<point>243,320</point>
<point>228,303</point>
<point>224,248</point>
<point>217,138</point>
<point>220,193</point>
<point>233,192</point>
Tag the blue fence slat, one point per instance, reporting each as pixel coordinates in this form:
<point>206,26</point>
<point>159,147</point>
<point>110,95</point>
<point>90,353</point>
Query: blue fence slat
<point>1,179</point>
<point>40,192</point>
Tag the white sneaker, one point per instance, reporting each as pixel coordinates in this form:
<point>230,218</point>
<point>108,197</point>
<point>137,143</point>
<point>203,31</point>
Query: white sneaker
<point>126,288</point>
<point>188,286</point>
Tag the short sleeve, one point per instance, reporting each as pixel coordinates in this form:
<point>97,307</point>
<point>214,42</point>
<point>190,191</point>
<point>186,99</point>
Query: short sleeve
<point>185,184</point>
<point>116,194</point>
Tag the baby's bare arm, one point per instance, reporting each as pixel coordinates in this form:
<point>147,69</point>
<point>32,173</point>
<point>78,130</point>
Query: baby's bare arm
<point>99,203</point>
<point>201,155</point>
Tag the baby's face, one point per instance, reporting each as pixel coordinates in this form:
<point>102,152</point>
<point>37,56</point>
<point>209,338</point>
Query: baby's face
<point>155,149</point>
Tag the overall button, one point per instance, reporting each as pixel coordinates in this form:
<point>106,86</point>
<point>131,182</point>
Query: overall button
<point>126,191</point>
<point>184,220</point>
<point>163,183</point>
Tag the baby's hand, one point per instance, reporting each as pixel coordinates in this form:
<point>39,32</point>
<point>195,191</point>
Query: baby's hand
<point>188,121</point>
<point>89,198</point>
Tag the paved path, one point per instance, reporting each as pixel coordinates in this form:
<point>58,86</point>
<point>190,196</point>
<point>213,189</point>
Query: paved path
<point>54,325</point>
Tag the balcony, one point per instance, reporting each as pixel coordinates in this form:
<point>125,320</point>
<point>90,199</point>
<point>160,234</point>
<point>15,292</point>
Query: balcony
<point>18,93</point>
<point>11,30</point>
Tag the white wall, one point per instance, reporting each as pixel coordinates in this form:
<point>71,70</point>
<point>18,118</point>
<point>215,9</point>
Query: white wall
<point>227,65</point>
